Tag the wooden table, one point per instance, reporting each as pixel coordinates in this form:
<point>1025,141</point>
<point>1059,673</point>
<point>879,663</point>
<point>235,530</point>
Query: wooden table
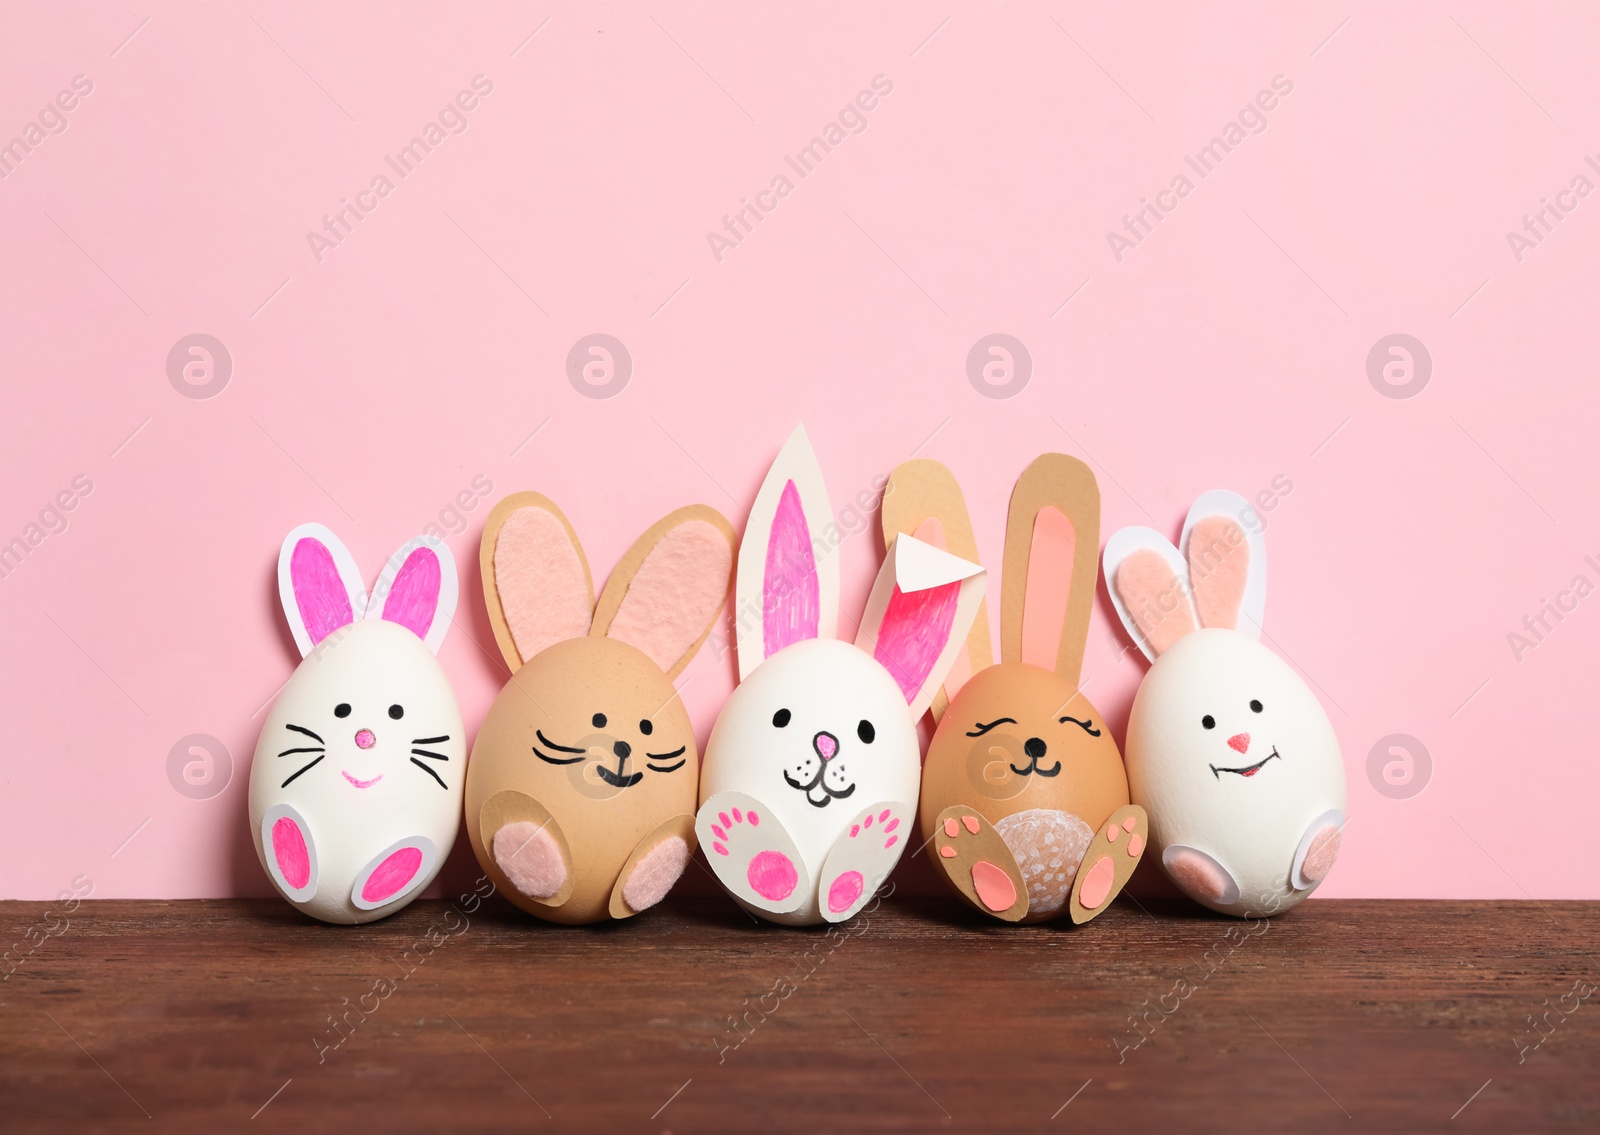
<point>1341,1016</point>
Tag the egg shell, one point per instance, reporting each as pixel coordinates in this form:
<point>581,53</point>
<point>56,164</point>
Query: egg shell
<point>826,685</point>
<point>558,692</point>
<point>980,772</point>
<point>1253,824</point>
<point>369,665</point>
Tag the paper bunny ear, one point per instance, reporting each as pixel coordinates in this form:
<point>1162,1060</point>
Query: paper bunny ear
<point>786,592</point>
<point>665,595</point>
<point>536,582</point>
<point>921,608</point>
<point>1219,580</point>
<point>318,584</point>
<point>922,499</point>
<point>418,589</point>
<point>1051,565</point>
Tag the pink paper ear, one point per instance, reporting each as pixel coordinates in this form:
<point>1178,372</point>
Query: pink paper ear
<point>541,580</point>
<point>1154,598</point>
<point>1044,601</point>
<point>1219,568</point>
<point>319,591</point>
<point>413,597</point>
<point>931,531</point>
<point>914,632</point>
<point>675,594</point>
<point>791,593</point>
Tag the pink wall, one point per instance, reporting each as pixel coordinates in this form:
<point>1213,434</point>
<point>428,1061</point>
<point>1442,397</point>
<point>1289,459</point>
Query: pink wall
<point>1228,349</point>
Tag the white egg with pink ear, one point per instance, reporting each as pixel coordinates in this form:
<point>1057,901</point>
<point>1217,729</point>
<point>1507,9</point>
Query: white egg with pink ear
<point>809,786</point>
<point>356,786</point>
<point>1228,749</point>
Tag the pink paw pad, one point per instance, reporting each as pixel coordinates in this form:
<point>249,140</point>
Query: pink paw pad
<point>654,873</point>
<point>390,877</point>
<point>289,849</point>
<point>1200,875</point>
<point>772,875</point>
<point>530,858</point>
<point>1319,858</point>
<point>1097,883</point>
<point>845,890</point>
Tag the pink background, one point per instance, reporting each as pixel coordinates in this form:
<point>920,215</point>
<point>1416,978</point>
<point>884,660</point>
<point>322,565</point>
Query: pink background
<point>1226,350</point>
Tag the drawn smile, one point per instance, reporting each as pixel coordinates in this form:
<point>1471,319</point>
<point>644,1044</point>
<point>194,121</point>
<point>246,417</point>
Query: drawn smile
<point>828,794</point>
<point>1247,770</point>
<point>617,780</point>
<point>362,783</point>
<point>1033,767</point>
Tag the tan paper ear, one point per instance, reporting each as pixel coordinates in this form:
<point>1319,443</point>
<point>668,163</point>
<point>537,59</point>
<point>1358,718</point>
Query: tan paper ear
<point>1052,561</point>
<point>666,594</point>
<point>923,499</point>
<point>536,582</point>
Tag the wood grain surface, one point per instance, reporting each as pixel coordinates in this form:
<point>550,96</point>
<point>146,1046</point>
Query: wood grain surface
<point>1340,1016</point>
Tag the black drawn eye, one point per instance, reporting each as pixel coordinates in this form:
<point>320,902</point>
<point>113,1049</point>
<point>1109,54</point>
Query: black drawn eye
<point>646,727</point>
<point>598,721</point>
<point>866,732</point>
<point>342,709</point>
<point>1208,721</point>
<point>396,712</point>
<point>781,718</point>
<point>1255,706</point>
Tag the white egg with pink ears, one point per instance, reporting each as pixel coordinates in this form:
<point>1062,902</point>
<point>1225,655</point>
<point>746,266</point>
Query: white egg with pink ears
<point>356,786</point>
<point>809,786</point>
<point>1228,750</point>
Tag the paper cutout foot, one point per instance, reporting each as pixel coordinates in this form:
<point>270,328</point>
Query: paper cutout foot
<point>1319,847</point>
<point>751,853</point>
<point>653,867</point>
<point>530,856</point>
<point>1199,875</point>
<point>861,859</point>
<point>393,873</point>
<point>978,864</point>
<point>1109,862</point>
<point>293,861</point>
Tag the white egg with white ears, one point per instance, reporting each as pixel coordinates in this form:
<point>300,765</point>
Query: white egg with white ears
<point>356,785</point>
<point>808,791</point>
<point>1228,750</point>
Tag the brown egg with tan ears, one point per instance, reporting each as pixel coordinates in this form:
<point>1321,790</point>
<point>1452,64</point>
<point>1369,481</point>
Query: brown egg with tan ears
<point>583,782</point>
<point>1025,803</point>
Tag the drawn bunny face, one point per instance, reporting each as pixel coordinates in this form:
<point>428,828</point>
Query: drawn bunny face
<point>356,786</point>
<point>1018,745</point>
<point>818,739</point>
<point>586,764</point>
<point>1227,746</point>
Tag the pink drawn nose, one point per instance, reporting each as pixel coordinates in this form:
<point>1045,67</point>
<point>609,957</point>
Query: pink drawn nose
<point>826,744</point>
<point>365,739</point>
<point>1239,741</point>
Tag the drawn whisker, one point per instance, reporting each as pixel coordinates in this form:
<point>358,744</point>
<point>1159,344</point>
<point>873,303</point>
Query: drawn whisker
<point>307,732</point>
<point>431,756</point>
<point>307,749</point>
<point>678,752</point>
<point>558,760</point>
<point>430,740</point>
<point>430,772</point>
<point>549,744</point>
<point>300,770</point>
<point>668,768</point>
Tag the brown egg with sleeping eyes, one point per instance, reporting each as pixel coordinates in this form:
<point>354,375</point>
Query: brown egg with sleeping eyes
<point>1024,794</point>
<point>584,778</point>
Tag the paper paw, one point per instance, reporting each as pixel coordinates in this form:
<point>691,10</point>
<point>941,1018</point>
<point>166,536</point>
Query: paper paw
<point>978,864</point>
<point>1200,876</point>
<point>528,847</point>
<point>1319,847</point>
<point>751,853</point>
<point>394,873</point>
<point>653,867</point>
<point>1108,864</point>
<point>290,852</point>
<point>861,859</point>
